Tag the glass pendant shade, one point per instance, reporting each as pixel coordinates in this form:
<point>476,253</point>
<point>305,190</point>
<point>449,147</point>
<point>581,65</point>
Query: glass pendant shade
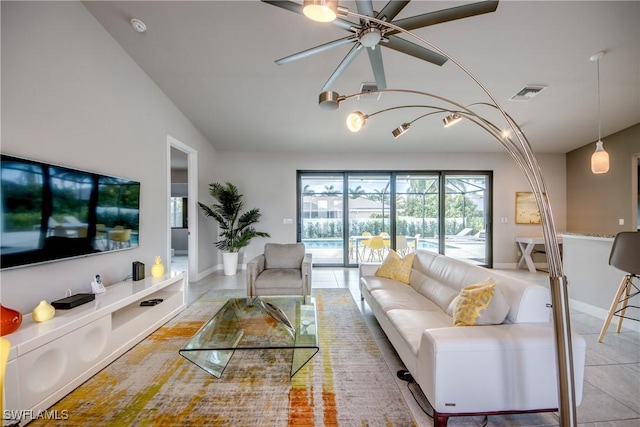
<point>600,159</point>
<point>320,10</point>
<point>356,121</point>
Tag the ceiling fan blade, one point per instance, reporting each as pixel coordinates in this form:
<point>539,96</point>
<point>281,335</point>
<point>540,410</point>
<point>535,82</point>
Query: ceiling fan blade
<point>317,49</point>
<point>375,58</point>
<point>365,7</point>
<point>404,46</point>
<point>392,9</point>
<point>297,8</point>
<point>445,15</point>
<point>355,50</point>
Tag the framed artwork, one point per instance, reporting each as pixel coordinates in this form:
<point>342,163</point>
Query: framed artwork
<point>527,209</point>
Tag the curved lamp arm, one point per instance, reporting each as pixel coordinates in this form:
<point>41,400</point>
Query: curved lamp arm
<point>521,152</point>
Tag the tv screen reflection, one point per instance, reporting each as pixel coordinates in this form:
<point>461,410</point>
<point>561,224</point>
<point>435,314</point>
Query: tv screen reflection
<point>51,212</point>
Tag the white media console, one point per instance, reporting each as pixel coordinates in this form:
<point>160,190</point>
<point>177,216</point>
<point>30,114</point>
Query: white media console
<point>50,359</point>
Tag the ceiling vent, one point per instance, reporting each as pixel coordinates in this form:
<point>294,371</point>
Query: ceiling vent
<point>527,93</point>
<point>368,91</point>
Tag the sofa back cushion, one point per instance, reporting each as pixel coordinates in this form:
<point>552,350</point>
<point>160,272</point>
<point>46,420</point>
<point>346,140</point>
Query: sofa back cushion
<point>283,255</point>
<point>528,301</point>
<point>440,294</point>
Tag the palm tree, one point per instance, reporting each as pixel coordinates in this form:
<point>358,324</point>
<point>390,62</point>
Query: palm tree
<point>236,229</point>
<point>354,193</point>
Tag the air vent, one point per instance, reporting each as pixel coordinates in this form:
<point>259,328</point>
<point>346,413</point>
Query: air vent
<point>527,93</point>
<point>369,91</point>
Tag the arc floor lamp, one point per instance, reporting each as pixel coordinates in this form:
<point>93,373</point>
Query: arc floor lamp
<point>520,151</point>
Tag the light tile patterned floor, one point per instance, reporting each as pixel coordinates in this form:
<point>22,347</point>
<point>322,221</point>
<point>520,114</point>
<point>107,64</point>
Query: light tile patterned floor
<point>612,376</point>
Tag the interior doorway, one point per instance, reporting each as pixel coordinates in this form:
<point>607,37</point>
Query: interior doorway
<point>182,173</point>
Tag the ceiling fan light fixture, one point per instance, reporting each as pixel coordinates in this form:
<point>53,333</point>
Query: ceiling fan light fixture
<point>356,121</point>
<point>400,130</point>
<point>451,119</point>
<point>320,10</point>
<point>370,37</point>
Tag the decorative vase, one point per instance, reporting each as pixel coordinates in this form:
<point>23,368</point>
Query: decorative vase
<point>10,320</point>
<point>43,312</point>
<point>157,269</point>
<point>230,263</point>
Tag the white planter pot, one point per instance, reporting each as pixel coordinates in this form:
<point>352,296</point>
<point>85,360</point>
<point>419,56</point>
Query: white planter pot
<point>230,263</point>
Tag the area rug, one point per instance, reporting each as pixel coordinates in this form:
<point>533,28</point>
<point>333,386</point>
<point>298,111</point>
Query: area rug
<point>346,384</point>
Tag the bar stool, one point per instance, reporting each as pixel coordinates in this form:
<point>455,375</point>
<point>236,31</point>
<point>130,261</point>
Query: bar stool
<point>625,256</point>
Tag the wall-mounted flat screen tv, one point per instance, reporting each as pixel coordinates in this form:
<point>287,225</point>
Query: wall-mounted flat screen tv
<point>51,212</point>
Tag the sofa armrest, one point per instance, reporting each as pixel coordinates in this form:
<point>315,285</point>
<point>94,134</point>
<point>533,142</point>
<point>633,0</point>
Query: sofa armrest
<point>493,368</point>
<point>306,274</point>
<point>254,268</point>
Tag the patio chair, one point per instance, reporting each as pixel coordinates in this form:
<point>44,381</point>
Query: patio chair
<point>402,246</point>
<point>283,269</point>
<point>413,245</point>
<point>376,248</point>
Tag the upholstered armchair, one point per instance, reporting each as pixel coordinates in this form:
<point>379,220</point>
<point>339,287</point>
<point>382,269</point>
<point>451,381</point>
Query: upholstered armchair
<point>283,269</point>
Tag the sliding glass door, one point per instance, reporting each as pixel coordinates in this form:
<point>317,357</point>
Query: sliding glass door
<point>417,210</point>
<point>321,216</point>
<point>345,218</point>
<point>369,207</point>
<point>466,217</point>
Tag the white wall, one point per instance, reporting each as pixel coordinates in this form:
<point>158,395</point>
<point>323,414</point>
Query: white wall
<point>72,96</point>
<point>268,181</point>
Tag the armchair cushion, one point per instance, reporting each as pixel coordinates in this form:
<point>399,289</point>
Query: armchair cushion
<point>283,269</point>
<point>281,278</point>
<point>288,255</point>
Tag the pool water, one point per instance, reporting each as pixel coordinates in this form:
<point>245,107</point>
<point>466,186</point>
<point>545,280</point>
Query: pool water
<point>338,244</point>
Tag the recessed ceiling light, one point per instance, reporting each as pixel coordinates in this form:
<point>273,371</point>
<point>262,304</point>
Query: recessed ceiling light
<point>138,25</point>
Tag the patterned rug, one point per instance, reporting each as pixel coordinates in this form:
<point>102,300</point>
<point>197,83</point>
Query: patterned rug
<point>346,384</point>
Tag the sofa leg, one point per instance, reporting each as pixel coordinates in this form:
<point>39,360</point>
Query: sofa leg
<point>440,420</point>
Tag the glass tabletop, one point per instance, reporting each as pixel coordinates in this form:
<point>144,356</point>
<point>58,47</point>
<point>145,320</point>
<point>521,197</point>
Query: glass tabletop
<point>259,323</point>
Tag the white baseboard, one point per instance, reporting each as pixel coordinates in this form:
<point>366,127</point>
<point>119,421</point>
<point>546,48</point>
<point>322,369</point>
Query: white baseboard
<point>601,313</point>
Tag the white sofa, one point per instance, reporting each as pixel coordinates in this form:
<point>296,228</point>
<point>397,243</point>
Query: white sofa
<point>469,370</point>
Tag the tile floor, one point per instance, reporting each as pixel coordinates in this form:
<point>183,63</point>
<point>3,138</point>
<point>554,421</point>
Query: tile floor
<point>612,375</point>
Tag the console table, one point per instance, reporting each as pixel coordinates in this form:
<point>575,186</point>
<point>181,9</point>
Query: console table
<point>526,245</point>
<point>50,359</point>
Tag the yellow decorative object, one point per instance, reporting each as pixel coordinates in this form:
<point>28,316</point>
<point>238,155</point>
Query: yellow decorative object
<point>157,269</point>
<point>396,268</point>
<point>43,312</point>
<point>480,304</point>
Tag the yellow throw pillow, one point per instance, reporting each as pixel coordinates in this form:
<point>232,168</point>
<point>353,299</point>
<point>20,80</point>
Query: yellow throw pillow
<point>396,268</point>
<point>480,304</point>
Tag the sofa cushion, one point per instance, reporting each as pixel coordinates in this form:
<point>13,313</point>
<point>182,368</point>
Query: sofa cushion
<point>391,299</point>
<point>395,267</point>
<point>283,255</point>
<point>479,304</point>
<point>410,324</point>
<point>440,294</point>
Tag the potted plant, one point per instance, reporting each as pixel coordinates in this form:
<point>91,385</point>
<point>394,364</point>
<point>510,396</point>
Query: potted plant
<point>236,228</point>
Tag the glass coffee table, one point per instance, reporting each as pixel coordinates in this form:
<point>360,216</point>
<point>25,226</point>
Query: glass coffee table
<point>258,323</point>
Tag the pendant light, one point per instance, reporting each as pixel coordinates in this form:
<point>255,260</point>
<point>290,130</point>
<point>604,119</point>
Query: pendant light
<point>600,158</point>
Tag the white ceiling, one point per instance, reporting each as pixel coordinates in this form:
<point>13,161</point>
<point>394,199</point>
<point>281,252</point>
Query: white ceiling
<point>215,61</point>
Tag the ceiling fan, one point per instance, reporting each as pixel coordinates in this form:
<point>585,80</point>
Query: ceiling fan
<point>370,34</point>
